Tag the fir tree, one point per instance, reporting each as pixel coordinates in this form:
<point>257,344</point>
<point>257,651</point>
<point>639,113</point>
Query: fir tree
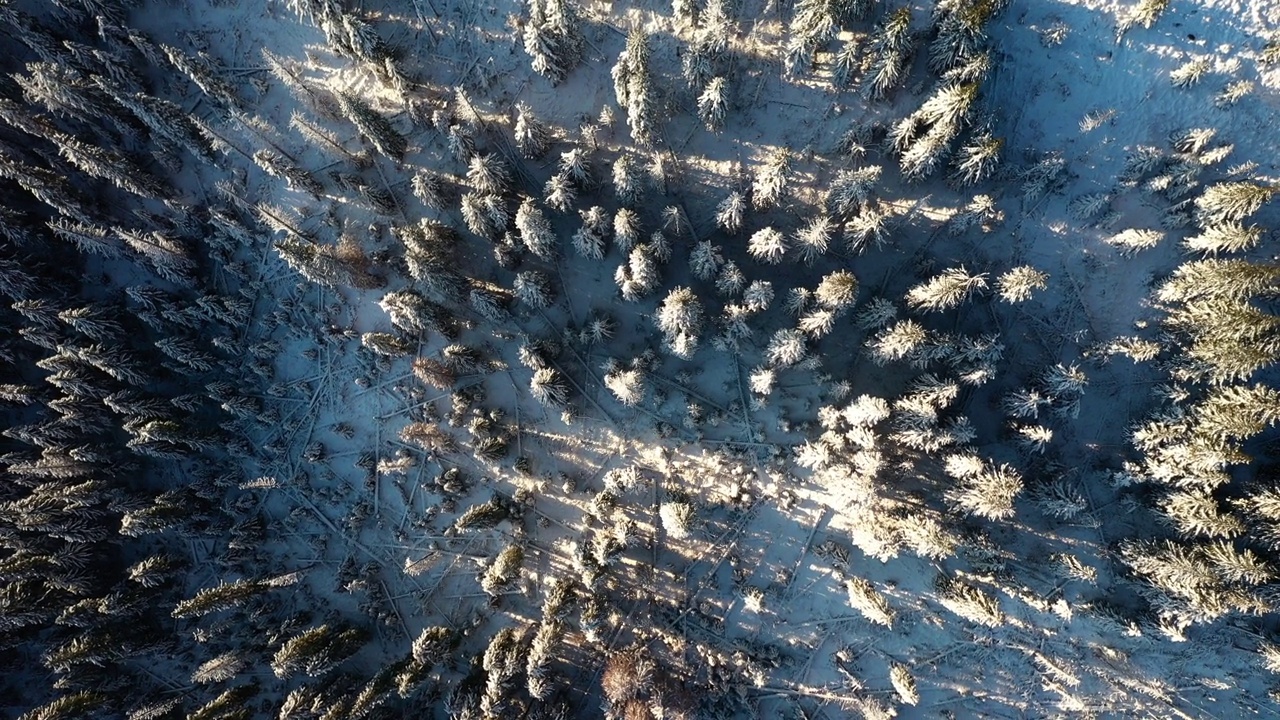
<point>533,289</point>
<point>591,238</point>
<point>713,104</point>
<point>316,652</point>
<point>1232,201</point>
<point>553,38</point>
<point>767,245</point>
<point>633,86</point>
<point>730,211</point>
<point>680,318</point>
<point>1019,283</point>
<point>535,231</point>
<point>532,137</point>
<point>371,124</point>
<point>770,184</point>
<point>946,290</point>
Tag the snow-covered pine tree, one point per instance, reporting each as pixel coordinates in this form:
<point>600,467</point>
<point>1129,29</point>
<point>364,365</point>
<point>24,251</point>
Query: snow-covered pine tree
<point>814,238</point>
<point>1224,237</point>
<point>977,160</point>
<point>891,48</point>
<point>851,190</point>
<point>705,260</point>
<point>533,288</point>
<point>532,137</point>
<point>680,318</point>
<point>730,211</point>
<point>769,186</point>
<point>946,290</point>
<point>1232,201</point>
<point>713,104</point>
<point>560,193</point>
<point>633,86</point>
<point>628,180</point>
<point>553,38</point>
<point>639,277</point>
<point>626,229</point>
<point>1017,284</point>
<point>371,124</point>
<point>591,238</point>
<point>535,231</point>
<point>768,245</point>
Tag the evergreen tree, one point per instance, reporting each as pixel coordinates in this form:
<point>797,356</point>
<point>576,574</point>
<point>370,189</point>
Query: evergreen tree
<point>680,318</point>
<point>1232,201</point>
<point>371,124</point>
<point>628,182</point>
<point>533,289</point>
<point>767,245</point>
<point>316,652</point>
<point>1019,283</point>
<point>553,38</point>
<point>946,290</point>
<point>532,137</point>
<point>535,231</point>
<point>713,104</point>
<point>891,48</point>
<point>814,238</point>
<point>770,184</point>
<point>633,86</point>
<point>730,211</point>
<point>591,238</point>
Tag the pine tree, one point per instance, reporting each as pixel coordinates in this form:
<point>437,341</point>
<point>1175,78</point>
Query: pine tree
<point>216,599</point>
<point>977,160</point>
<point>851,190</point>
<point>946,290</point>
<point>628,385</point>
<point>639,277</point>
<point>628,181</point>
<point>891,48</point>
<point>548,387</point>
<point>626,229</point>
<point>1231,201</point>
<point>504,570</point>
<point>769,186</point>
<point>533,288</point>
<point>553,38</point>
<point>713,104</point>
<point>488,175</point>
<point>371,124</point>
<point>1225,237</point>
<point>633,86</point>
<point>730,211</point>
<point>705,260</point>
<point>535,231</point>
<point>767,245</point>
<point>532,137</point>
<point>814,238</point>
<point>786,348</point>
<point>560,193</point>
<point>591,238</point>
<point>837,291</point>
<point>386,344</point>
<point>316,652</point>
<point>1018,283</point>
<point>680,318</point>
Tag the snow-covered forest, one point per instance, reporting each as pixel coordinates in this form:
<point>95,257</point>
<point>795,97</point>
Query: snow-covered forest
<point>676,359</point>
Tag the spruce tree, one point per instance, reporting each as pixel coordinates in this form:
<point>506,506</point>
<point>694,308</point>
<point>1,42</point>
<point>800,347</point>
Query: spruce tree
<point>371,124</point>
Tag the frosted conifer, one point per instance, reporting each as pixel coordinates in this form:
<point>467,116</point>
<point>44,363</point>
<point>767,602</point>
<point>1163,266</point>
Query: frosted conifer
<point>1225,237</point>
<point>626,385</point>
<point>680,317</point>
<point>628,181</point>
<point>371,124</point>
<point>533,288</point>
<point>590,239</point>
<point>837,291</point>
<point>1232,201</point>
<point>705,260</point>
<point>560,193</point>
<point>731,281</point>
<point>730,211</point>
<point>548,387</point>
<point>891,47</point>
<point>851,189</point>
<point>552,38</point>
<point>639,276</point>
<point>946,290</point>
<point>786,348</point>
<point>634,87</point>
<point>977,160</point>
<point>488,174</point>
<point>814,238</point>
<point>536,232</point>
<point>770,184</point>
<point>532,138</point>
<point>1018,283</point>
<point>713,104</point>
<point>767,245</point>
